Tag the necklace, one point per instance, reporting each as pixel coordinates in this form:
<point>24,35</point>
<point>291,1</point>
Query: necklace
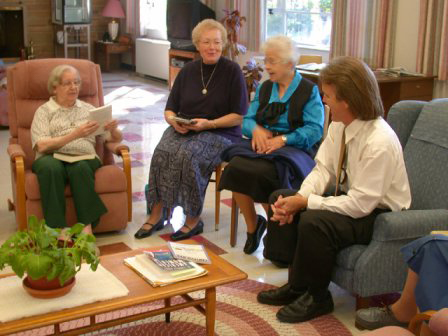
<point>204,90</point>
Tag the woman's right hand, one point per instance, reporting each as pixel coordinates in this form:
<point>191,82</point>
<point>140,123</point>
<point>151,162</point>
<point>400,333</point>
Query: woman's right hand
<point>260,138</point>
<point>179,127</point>
<point>86,129</point>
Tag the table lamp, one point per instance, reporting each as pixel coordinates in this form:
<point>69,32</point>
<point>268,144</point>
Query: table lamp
<point>114,10</point>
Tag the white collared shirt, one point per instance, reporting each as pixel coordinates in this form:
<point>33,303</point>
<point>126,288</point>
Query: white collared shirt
<point>52,120</point>
<point>376,173</point>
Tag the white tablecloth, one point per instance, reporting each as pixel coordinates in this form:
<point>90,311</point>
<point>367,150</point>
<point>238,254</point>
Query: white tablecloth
<point>16,303</point>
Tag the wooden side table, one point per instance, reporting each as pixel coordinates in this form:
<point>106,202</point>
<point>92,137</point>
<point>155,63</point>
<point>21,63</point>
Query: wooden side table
<point>111,48</point>
<point>180,55</point>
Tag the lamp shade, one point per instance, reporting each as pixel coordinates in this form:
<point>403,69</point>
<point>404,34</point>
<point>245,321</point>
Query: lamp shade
<point>113,9</point>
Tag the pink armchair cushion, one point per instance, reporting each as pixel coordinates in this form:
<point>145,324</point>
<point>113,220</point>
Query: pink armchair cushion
<point>108,179</point>
<point>439,322</point>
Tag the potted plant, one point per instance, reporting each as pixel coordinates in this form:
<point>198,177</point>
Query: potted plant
<point>232,21</point>
<point>47,260</point>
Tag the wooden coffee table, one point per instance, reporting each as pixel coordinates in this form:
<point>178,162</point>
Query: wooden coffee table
<point>220,272</point>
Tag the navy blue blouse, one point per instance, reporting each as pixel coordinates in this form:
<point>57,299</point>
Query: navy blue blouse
<point>226,93</point>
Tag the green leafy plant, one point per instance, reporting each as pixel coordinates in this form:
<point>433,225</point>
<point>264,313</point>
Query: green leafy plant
<point>39,252</point>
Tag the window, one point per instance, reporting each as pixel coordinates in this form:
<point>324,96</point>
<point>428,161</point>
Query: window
<point>307,22</point>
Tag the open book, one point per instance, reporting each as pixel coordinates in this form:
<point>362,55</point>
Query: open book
<point>101,115</point>
<point>73,158</point>
<point>146,268</point>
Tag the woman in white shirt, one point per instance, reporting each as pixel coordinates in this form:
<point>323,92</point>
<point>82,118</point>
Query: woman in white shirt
<point>62,125</point>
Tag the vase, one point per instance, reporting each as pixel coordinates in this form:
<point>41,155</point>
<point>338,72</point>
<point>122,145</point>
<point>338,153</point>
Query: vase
<point>47,289</point>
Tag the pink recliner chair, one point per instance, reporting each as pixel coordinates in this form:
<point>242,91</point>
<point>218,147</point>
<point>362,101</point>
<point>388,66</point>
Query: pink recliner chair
<point>27,90</point>
<point>437,326</point>
<point>3,99</point>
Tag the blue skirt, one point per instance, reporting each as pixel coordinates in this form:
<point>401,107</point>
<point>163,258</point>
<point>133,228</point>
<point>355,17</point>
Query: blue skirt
<point>181,167</point>
<point>428,257</point>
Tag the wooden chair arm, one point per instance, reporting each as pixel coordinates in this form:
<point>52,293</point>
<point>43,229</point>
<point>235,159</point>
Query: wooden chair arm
<point>20,208</point>
<point>416,322</point>
<point>124,153</point>
<point>14,151</point>
<point>116,147</point>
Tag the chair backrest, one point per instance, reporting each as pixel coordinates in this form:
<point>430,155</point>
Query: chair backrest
<point>304,59</point>
<point>27,90</point>
<point>422,130</point>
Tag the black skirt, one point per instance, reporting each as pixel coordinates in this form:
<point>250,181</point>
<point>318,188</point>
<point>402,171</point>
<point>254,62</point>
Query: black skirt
<point>254,177</point>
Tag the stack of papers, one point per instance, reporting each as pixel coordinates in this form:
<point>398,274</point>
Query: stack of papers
<point>311,66</point>
<point>399,71</point>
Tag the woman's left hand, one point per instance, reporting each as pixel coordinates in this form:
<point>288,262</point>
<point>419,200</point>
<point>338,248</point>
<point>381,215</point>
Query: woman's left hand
<point>111,125</point>
<point>274,143</point>
<point>200,125</point>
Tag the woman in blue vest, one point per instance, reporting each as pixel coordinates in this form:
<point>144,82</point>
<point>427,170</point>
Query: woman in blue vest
<point>283,125</point>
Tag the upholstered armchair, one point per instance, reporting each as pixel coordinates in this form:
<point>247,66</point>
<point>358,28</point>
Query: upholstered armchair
<point>3,97</point>
<point>379,268</point>
<point>27,90</point>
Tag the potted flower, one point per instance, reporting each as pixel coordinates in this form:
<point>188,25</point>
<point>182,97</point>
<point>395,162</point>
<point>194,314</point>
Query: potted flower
<point>48,261</point>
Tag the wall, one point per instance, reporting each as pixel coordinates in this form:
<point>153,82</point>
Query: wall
<point>40,29</point>
<point>406,34</point>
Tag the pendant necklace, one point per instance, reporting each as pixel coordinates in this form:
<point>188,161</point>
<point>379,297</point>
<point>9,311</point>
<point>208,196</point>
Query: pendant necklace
<point>204,90</point>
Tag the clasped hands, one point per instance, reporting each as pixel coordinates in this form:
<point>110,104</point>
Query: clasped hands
<point>263,142</point>
<point>200,125</point>
<point>284,209</point>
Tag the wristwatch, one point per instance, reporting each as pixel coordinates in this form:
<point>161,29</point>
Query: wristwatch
<point>284,138</point>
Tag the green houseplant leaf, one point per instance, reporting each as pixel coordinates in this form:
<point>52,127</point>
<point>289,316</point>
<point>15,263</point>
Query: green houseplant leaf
<point>38,253</point>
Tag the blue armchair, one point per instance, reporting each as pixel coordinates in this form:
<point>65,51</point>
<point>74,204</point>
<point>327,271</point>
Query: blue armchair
<point>378,268</point>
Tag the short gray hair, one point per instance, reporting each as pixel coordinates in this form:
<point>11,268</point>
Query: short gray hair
<point>207,25</point>
<point>55,76</point>
<point>284,46</point>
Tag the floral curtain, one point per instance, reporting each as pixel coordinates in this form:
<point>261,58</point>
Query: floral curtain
<point>364,29</point>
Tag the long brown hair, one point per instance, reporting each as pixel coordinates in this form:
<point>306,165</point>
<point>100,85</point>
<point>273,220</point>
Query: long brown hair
<point>355,84</point>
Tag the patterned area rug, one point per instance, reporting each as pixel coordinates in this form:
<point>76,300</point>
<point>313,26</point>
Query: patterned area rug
<point>238,313</point>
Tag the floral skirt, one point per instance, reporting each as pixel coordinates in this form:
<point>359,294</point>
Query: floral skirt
<point>181,168</point>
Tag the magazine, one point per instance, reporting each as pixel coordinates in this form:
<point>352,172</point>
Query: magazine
<point>189,252</point>
<point>101,115</point>
<point>157,277</point>
<point>166,261</point>
<point>73,158</point>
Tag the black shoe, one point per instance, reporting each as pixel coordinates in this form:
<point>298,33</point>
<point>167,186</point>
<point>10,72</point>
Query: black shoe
<point>143,233</point>
<point>279,264</point>
<point>179,235</point>
<point>305,308</point>
<point>253,239</point>
<point>279,297</point>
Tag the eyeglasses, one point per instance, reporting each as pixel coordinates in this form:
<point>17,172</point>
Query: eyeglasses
<point>271,61</point>
<point>68,84</point>
<point>208,43</point>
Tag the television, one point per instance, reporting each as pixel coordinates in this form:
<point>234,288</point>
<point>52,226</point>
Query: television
<point>181,17</point>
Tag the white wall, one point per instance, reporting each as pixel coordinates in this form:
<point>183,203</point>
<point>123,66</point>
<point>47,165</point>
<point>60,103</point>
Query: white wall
<point>407,33</point>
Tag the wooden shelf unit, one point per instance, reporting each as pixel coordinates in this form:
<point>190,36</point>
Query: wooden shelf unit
<point>181,55</point>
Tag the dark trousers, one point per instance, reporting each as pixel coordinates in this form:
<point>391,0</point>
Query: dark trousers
<point>53,175</point>
<point>311,242</point>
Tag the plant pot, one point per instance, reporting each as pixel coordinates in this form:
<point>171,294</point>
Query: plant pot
<point>44,289</point>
